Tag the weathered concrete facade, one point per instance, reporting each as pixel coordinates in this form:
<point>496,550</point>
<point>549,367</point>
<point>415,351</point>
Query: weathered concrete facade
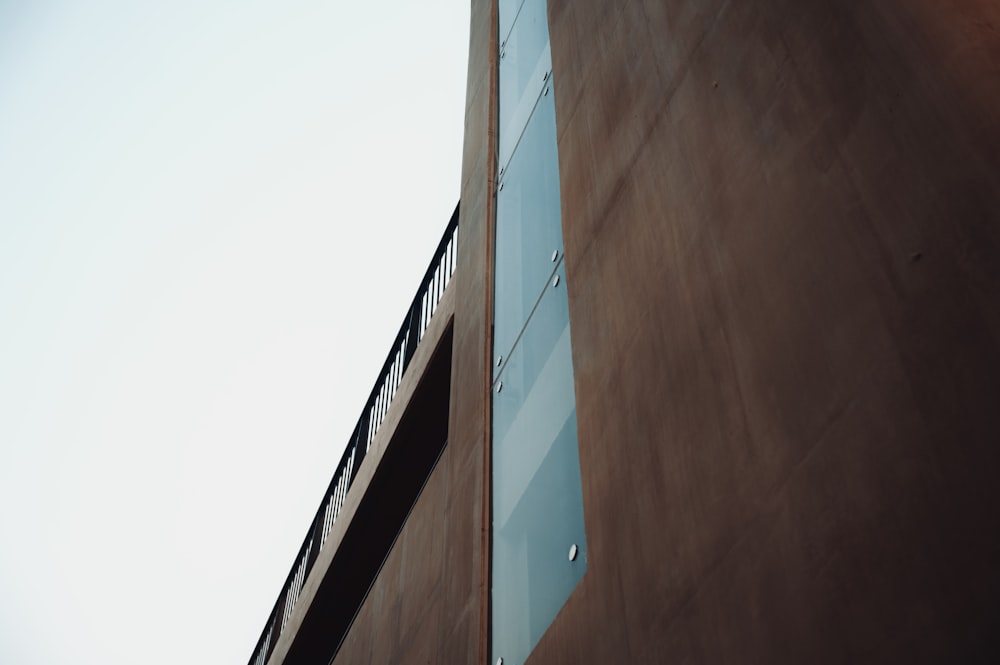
<point>782,235</point>
<point>782,224</point>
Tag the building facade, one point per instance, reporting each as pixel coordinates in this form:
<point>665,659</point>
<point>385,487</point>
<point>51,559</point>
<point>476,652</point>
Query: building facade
<point>707,367</point>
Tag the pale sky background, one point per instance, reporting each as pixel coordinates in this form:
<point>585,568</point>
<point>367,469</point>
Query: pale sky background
<point>213,216</point>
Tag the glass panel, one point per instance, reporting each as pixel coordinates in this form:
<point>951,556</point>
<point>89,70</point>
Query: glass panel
<point>507,13</point>
<point>524,62</point>
<point>537,497</point>
<point>528,226</point>
<point>516,117</point>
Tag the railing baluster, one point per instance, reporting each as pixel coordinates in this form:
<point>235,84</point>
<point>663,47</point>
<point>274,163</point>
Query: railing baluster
<point>341,491</point>
<point>336,501</point>
<point>423,315</point>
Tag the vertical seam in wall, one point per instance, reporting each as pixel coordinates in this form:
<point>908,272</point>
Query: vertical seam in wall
<point>486,522</point>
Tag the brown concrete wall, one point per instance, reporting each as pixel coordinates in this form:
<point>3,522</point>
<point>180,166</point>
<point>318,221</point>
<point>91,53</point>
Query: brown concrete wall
<point>782,228</point>
<point>428,604</point>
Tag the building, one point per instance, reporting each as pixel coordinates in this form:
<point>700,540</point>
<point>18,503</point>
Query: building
<point>759,245</point>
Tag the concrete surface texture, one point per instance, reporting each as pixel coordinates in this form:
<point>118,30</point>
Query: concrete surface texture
<point>782,228</point>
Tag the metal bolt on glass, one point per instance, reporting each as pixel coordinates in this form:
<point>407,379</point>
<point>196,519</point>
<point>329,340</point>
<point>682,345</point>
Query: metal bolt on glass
<point>499,360</point>
<point>500,660</point>
<point>555,255</point>
<point>573,551</point>
<point>555,282</point>
<point>500,386</point>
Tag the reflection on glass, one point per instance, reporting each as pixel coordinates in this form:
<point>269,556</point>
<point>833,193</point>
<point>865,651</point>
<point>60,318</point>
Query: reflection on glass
<point>524,62</point>
<point>528,222</point>
<point>537,497</point>
<point>507,10</point>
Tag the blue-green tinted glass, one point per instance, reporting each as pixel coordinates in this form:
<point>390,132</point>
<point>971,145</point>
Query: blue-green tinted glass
<point>524,62</point>
<point>528,226</point>
<point>537,497</point>
<point>507,12</point>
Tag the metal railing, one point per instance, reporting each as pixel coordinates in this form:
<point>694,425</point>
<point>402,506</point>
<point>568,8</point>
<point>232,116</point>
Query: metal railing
<point>425,303</point>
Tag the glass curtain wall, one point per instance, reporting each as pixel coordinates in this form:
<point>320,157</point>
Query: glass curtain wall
<point>539,548</point>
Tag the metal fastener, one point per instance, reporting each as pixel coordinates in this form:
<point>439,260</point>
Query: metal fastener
<point>499,360</point>
<point>555,255</point>
<point>500,386</point>
<point>555,282</point>
<point>573,549</point>
<point>500,660</point>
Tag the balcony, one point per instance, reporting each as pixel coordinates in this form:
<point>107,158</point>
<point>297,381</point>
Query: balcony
<point>343,517</point>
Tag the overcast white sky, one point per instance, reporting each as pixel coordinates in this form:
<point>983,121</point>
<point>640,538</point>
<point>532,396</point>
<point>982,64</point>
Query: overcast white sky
<point>213,215</point>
